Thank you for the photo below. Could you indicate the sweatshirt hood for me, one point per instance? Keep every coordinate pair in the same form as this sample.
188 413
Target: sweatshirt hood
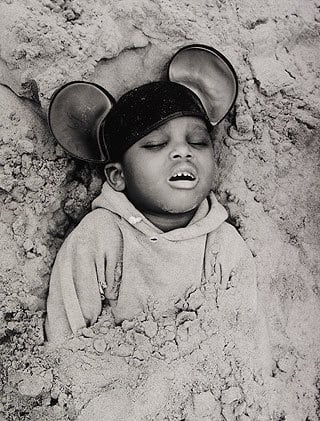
209 216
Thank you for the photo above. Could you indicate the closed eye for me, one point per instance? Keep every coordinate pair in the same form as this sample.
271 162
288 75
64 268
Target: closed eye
200 143
154 145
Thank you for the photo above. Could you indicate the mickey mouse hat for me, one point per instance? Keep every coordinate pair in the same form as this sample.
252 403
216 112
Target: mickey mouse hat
90 125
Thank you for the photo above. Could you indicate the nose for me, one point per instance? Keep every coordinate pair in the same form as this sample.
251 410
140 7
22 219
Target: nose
181 151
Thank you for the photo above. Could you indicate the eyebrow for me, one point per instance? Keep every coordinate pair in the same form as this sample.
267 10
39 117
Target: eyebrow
199 128
156 137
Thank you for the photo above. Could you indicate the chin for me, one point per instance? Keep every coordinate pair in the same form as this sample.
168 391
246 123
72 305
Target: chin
184 204
182 208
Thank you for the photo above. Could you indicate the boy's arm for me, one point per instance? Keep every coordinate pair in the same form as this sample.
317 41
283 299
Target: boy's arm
74 298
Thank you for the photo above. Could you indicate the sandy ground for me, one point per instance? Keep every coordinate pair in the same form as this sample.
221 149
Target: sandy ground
194 368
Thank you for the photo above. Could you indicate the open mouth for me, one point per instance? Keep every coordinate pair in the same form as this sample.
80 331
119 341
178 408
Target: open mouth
185 179
182 176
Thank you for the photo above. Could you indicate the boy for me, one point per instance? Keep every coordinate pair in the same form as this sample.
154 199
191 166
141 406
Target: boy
156 230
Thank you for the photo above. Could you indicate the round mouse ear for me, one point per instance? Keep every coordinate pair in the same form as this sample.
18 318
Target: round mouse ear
75 116
209 75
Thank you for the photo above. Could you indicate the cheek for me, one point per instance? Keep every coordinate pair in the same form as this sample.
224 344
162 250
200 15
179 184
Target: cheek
140 182
145 173
208 165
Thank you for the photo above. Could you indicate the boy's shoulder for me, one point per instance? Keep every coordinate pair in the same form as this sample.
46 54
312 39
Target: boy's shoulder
228 247
227 232
227 238
95 223
99 215
96 234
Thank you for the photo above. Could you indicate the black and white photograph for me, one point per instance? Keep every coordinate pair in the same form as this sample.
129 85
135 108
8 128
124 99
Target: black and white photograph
160 210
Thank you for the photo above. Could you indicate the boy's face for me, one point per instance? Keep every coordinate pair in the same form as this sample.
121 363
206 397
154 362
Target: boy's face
171 169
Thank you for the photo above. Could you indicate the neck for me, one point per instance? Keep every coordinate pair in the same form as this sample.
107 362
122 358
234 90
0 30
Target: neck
170 221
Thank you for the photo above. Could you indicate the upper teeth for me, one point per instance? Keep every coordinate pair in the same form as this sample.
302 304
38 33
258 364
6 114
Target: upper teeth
185 174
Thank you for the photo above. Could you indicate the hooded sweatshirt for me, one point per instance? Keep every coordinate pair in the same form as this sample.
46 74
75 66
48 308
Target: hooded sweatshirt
116 254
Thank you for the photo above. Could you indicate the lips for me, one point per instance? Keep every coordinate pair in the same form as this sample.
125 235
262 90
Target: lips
183 177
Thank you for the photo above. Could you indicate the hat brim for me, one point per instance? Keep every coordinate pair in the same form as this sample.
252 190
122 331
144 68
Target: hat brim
209 75
75 114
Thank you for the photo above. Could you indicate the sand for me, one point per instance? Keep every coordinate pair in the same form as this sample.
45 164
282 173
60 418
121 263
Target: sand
198 364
